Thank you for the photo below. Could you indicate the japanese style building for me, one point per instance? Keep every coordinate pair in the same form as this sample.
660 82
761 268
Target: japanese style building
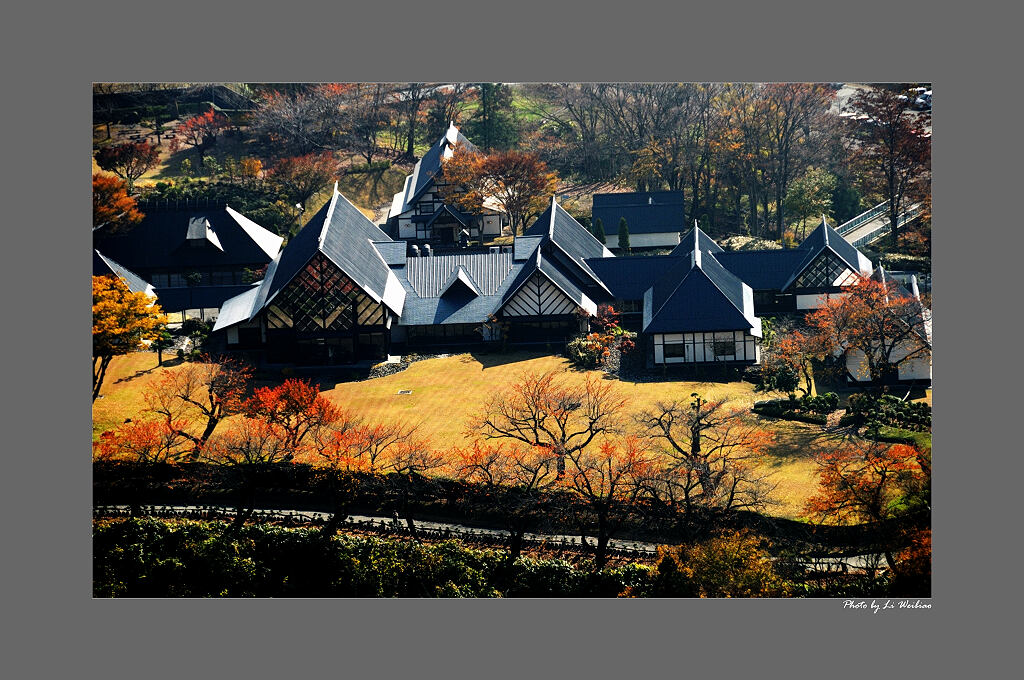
420 213
343 290
195 259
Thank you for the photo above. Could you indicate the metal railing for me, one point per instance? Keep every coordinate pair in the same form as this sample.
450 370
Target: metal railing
911 213
865 217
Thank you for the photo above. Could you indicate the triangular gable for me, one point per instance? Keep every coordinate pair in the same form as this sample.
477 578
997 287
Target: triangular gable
346 237
555 278
695 237
825 238
459 281
699 294
199 229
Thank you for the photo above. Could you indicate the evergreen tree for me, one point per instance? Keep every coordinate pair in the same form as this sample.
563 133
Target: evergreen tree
493 127
599 230
623 236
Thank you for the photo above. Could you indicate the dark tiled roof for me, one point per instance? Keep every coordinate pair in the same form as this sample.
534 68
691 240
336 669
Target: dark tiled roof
342 233
645 212
104 266
428 275
523 246
571 238
696 296
425 280
159 241
393 252
628 277
762 269
689 300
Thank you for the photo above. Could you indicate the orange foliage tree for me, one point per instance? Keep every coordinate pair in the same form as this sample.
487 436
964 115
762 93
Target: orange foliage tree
888 328
122 322
199 131
514 479
870 482
128 161
551 412
609 480
300 177
296 408
518 182
713 456
112 207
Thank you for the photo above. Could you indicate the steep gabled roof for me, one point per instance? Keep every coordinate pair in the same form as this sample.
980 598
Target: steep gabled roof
699 294
826 239
554 272
104 266
558 228
340 231
692 238
427 169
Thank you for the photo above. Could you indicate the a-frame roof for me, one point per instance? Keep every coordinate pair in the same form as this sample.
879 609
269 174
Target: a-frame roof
693 238
427 169
558 228
459 280
699 294
826 239
340 231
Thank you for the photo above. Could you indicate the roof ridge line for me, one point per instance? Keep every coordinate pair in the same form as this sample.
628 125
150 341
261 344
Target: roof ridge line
327 217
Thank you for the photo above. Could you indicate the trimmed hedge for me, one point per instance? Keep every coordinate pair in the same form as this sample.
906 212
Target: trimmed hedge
806 409
891 411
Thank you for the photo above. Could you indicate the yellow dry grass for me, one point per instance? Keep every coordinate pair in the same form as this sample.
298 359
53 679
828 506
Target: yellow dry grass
447 391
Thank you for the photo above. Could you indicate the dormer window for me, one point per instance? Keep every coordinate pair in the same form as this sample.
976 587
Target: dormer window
200 233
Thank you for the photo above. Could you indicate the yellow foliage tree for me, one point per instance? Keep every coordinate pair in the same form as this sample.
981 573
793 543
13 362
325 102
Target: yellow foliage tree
122 322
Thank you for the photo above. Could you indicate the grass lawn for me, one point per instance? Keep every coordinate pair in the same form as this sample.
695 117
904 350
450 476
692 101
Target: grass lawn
446 391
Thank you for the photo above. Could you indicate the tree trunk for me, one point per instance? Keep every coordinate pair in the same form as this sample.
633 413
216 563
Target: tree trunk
97 376
601 551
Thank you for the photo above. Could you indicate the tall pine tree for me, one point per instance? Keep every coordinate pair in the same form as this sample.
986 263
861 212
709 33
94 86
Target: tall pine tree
623 236
493 127
599 231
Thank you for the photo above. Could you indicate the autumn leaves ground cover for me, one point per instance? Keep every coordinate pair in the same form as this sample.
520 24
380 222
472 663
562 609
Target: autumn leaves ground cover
445 392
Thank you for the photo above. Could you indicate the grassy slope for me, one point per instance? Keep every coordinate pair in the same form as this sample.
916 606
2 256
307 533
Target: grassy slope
446 391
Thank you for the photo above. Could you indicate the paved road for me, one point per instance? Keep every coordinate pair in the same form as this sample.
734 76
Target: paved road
379 523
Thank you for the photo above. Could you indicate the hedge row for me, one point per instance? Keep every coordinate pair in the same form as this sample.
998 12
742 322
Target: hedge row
806 409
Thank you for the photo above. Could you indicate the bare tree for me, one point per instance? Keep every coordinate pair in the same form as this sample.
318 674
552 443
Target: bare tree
552 412
713 454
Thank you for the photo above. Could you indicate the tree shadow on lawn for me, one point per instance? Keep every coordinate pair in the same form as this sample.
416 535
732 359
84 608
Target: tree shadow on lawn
794 440
493 359
168 363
